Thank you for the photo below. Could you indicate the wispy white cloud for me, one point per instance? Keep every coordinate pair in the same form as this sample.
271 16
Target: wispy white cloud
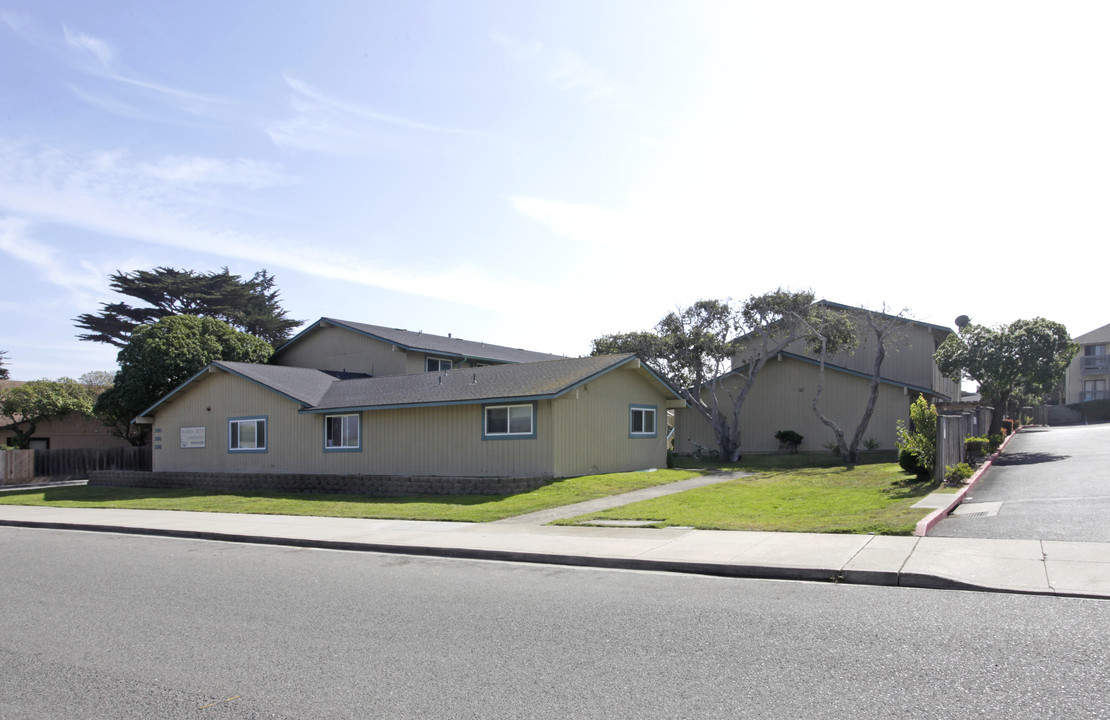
564 68
108 194
98 58
195 170
322 123
590 224
82 281
82 43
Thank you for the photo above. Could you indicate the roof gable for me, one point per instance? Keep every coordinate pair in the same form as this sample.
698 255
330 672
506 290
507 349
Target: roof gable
448 347
1098 335
304 386
907 320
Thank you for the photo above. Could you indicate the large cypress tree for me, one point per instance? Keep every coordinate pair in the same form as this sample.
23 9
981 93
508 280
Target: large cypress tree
250 306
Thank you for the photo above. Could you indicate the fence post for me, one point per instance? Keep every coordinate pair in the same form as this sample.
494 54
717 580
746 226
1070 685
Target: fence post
16 466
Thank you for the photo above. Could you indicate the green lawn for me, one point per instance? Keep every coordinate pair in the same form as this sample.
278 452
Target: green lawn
790 493
465 508
861 499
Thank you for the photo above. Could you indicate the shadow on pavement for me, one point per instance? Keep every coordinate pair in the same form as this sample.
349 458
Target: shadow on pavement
1031 458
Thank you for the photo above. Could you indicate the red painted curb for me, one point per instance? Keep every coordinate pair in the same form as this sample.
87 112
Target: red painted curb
930 521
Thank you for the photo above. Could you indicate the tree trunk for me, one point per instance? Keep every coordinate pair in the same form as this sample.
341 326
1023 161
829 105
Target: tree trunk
1000 404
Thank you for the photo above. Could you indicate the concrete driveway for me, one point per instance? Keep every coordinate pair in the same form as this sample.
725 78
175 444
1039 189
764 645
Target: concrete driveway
1049 484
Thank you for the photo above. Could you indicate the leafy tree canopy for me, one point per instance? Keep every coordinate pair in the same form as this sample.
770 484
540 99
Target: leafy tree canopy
251 306
3 370
161 356
687 346
692 345
1026 357
25 406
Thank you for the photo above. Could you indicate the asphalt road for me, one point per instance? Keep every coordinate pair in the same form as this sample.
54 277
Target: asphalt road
107 626
1052 484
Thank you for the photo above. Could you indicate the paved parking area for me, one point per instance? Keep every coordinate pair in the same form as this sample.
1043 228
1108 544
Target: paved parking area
1049 484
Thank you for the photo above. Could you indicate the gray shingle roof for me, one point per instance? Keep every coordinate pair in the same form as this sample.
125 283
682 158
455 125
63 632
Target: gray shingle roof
524 380
449 347
318 391
304 385
1098 335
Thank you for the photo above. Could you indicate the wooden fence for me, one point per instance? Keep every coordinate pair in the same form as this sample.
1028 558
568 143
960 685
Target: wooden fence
79 462
955 424
16 466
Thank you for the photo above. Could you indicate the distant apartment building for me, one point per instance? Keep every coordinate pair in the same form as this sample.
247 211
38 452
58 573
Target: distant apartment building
1089 372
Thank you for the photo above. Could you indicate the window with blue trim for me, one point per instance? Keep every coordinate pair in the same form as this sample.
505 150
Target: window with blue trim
342 432
434 364
509 421
641 421
246 434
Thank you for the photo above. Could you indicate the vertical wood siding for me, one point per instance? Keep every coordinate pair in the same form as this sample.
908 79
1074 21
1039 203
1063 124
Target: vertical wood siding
592 426
445 441
782 398
909 357
332 348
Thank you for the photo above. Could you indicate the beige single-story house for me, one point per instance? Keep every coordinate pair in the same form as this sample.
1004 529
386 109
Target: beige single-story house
540 420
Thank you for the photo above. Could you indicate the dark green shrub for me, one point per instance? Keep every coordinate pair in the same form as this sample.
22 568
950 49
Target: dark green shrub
907 460
977 447
996 441
788 440
956 474
1008 426
921 441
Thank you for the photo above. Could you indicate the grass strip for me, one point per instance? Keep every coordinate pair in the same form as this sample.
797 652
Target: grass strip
857 499
461 508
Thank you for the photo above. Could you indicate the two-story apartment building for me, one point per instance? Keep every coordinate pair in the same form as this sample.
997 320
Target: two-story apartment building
782 396
1088 376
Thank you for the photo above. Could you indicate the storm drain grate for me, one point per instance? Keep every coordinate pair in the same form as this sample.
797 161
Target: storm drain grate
977 510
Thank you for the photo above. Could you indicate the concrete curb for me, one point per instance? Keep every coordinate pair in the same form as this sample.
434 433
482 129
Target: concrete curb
930 521
687 567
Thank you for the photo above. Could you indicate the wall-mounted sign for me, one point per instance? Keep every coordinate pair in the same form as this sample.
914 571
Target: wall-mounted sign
192 437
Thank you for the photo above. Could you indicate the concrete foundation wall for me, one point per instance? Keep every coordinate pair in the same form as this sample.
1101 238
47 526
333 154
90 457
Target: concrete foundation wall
375 485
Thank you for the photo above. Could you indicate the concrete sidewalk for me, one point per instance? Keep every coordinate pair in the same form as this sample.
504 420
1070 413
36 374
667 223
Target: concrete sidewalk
1019 566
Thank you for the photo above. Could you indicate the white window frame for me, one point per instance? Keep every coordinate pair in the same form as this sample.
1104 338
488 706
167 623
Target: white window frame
508 433
439 364
643 412
234 443
343 432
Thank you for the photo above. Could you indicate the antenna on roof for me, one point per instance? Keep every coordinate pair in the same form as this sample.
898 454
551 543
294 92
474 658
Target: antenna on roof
474 380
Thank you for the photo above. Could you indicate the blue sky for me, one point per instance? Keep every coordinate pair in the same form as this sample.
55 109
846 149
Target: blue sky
538 174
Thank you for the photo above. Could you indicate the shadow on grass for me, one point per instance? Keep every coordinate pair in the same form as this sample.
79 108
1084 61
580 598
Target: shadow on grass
912 487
